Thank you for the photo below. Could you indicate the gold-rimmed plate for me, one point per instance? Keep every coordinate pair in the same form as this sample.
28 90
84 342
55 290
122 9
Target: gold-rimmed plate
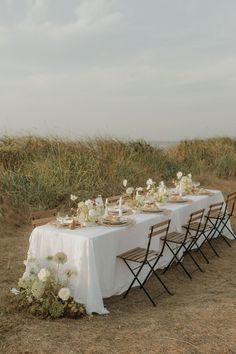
178 201
128 222
151 210
202 192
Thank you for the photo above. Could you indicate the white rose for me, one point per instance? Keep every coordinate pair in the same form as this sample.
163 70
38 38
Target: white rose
129 190
73 197
179 175
64 294
44 274
125 182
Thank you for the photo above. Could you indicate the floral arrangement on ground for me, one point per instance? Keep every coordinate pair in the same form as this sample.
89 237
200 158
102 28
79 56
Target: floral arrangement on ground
41 293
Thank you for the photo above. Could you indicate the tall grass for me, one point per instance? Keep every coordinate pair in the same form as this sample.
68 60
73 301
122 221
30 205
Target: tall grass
42 172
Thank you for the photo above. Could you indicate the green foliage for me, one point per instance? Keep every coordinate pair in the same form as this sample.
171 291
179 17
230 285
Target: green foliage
42 173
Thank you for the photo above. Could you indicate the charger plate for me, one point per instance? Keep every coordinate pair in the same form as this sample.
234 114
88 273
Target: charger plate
128 223
203 192
154 210
179 201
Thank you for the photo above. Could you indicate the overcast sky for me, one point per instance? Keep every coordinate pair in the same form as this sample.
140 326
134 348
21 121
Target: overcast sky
152 69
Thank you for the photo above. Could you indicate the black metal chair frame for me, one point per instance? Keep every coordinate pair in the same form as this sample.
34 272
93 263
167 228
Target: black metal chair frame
224 218
160 229
207 231
197 215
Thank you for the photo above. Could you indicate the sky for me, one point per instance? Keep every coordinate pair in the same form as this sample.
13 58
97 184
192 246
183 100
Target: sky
160 70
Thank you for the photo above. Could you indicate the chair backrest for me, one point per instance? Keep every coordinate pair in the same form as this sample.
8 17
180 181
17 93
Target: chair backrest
214 209
194 218
230 204
161 229
43 217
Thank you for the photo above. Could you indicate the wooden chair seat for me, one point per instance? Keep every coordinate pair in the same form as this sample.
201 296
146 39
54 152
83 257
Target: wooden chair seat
138 254
175 237
197 226
215 215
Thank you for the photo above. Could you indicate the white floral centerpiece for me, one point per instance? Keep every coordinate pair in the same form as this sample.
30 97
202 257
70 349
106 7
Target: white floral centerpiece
139 197
87 211
161 193
183 183
42 294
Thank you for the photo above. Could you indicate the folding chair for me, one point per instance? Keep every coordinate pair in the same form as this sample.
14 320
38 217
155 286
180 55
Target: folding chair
42 217
146 256
224 218
182 242
203 230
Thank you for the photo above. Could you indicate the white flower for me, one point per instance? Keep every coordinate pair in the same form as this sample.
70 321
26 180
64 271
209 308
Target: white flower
139 189
60 258
89 203
125 182
38 289
14 291
149 182
92 213
80 205
99 202
44 274
73 197
64 294
179 175
162 184
190 176
129 190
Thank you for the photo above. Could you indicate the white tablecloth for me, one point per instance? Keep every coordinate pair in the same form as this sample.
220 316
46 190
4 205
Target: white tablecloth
93 251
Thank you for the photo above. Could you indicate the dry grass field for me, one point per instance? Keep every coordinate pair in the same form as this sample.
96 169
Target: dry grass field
199 318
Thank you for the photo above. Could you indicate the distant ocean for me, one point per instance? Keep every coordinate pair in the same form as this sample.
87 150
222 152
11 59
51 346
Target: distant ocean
163 144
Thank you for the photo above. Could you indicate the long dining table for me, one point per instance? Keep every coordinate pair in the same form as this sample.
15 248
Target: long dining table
92 251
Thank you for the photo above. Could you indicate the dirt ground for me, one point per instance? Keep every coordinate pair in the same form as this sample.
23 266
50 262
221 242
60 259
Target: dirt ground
199 318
